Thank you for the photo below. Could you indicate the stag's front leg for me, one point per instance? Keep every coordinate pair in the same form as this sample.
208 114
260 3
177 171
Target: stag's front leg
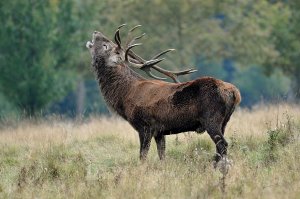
145 141
161 145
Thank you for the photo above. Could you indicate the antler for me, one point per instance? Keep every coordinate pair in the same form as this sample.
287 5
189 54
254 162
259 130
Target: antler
117 35
138 62
172 74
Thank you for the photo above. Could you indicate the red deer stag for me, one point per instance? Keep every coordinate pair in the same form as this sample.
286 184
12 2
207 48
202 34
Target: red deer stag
157 108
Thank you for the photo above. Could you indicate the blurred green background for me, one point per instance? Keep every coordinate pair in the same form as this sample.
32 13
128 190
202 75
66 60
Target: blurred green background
45 67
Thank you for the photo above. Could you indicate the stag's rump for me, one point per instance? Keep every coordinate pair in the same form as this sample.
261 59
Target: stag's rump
205 103
206 95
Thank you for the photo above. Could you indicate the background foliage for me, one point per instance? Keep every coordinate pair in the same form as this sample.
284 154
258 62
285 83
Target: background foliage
45 67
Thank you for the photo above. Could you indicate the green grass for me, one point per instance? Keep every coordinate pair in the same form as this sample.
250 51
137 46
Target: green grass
106 165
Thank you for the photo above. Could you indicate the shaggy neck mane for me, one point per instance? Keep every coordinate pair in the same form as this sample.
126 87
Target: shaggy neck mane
114 81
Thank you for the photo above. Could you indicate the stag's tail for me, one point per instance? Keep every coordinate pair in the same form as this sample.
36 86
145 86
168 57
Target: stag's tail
236 96
230 94
232 98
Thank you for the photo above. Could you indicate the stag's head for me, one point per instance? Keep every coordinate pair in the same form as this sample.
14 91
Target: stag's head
102 48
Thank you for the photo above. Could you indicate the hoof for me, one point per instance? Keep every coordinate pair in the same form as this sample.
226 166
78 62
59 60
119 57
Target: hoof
224 164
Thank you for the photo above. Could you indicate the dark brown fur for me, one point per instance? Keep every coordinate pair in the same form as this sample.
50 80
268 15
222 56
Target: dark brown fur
157 108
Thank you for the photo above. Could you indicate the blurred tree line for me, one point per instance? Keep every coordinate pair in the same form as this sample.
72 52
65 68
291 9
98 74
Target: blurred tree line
45 67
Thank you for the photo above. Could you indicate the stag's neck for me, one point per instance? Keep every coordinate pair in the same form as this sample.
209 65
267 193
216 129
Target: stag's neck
115 83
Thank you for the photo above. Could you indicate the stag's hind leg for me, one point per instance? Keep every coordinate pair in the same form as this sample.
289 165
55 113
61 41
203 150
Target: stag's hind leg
161 145
221 145
145 141
226 119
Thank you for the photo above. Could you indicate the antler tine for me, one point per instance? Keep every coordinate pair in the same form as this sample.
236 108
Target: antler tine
173 75
118 42
134 39
152 62
124 24
135 56
135 27
128 49
146 67
184 72
163 52
167 73
148 72
117 36
129 41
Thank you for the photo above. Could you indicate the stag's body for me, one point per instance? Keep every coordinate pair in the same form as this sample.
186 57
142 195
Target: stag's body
156 108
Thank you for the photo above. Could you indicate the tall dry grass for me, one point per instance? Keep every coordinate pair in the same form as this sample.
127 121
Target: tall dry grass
244 122
98 158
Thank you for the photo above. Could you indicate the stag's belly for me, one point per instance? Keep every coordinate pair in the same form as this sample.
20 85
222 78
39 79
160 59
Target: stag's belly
163 117
181 121
191 126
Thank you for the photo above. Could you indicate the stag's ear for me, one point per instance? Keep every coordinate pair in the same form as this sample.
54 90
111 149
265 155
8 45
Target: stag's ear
118 51
115 56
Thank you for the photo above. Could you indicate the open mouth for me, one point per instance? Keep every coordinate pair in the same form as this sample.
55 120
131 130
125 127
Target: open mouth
90 44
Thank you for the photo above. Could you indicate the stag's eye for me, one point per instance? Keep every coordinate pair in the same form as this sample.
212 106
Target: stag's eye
105 46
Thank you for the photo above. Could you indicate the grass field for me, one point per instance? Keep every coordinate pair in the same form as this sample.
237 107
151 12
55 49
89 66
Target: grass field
98 158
